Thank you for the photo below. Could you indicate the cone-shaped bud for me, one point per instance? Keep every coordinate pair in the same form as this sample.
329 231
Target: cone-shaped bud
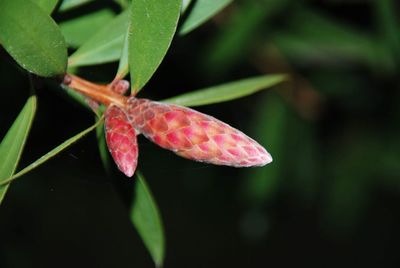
194 135
121 139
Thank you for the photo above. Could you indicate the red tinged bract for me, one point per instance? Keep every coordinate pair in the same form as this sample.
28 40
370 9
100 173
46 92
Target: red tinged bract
121 139
194 135
186 132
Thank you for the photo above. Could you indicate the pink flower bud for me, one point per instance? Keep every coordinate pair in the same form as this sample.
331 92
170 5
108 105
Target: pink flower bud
194 135
121 139
120 86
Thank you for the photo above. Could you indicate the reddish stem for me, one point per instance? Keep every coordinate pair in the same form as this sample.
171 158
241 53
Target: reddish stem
100 93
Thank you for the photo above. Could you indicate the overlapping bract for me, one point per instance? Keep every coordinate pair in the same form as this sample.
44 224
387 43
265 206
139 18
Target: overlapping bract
186 132
194 135
121 139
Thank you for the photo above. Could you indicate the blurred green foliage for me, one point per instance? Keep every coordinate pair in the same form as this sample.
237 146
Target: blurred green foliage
330 197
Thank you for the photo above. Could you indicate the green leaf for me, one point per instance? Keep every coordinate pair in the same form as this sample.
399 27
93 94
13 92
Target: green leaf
201 12
51 154
153 24
70 4
147 220
13 143
32 38
124 4
79 98
123 67
101 140
47 5
103 149
226 92
388 24
185 5
77 31
104 46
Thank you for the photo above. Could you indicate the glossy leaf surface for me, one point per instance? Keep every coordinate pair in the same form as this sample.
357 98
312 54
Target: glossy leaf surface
147 220
201 12
70 4
153 25
13 143
47 5
105 46
32 38
123 66
53 152
79 30
185 5
103 149
228 91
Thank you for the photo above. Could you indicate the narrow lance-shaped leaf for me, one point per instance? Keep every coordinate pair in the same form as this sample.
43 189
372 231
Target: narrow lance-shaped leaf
52 153
201 12
13 143
226 92
70 4
185 5
123 67
147 220
79 98
103 151
153 24
104 46
124 4
388 23
32 38
78 30
47 5
101 139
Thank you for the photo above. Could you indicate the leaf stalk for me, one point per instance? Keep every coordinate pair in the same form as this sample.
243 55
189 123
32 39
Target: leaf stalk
97 92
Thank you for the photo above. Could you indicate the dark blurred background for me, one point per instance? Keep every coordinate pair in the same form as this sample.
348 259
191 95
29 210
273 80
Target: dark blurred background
330 198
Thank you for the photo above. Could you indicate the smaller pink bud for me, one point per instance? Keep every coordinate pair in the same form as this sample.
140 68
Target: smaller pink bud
120 86
121 139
